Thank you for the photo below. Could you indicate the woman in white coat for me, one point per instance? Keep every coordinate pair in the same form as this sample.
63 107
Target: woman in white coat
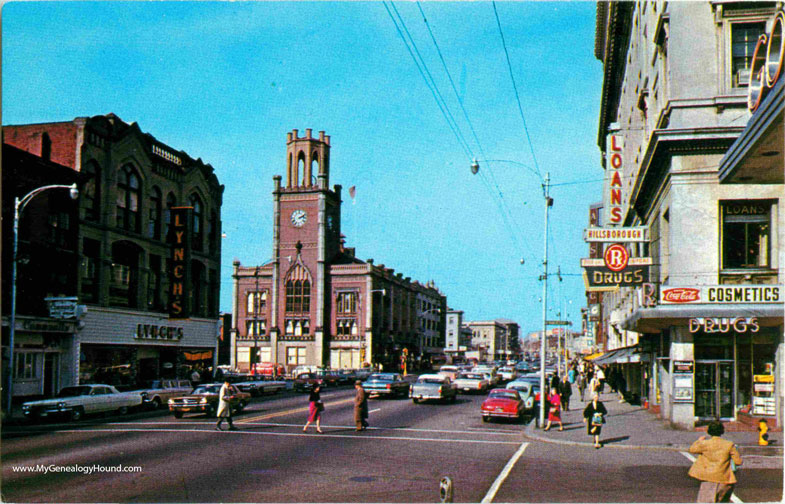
225 406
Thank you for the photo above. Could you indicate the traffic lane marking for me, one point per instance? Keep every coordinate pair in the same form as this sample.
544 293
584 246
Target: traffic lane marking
292 411
733 497
296 434
374 410
503 475
271 424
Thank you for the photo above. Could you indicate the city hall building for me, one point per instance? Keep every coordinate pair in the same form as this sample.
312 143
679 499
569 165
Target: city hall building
148 247
702 339
316 303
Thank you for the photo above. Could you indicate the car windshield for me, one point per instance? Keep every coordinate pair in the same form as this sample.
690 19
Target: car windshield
503 394
74 391
382 376
431 380
206 390
471 376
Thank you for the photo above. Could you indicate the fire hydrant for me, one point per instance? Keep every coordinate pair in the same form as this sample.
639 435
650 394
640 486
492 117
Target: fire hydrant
763 428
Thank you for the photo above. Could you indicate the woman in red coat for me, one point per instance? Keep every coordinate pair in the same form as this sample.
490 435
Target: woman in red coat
554 413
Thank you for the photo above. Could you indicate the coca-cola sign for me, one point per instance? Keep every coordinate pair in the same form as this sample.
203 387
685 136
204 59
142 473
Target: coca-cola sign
680 295
721 294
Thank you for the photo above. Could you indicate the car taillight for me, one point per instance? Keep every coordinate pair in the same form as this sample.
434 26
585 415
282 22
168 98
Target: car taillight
440 389
537 397
389 385
479 385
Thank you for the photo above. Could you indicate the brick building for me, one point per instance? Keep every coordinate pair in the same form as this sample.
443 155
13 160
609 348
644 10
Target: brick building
131 185
316 303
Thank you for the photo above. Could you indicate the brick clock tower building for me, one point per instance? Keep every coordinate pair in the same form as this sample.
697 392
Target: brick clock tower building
315 303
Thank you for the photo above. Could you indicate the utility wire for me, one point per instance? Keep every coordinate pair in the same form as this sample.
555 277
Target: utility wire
515 87
465 148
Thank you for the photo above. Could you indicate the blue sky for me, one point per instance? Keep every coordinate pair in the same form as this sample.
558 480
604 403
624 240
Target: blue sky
225 82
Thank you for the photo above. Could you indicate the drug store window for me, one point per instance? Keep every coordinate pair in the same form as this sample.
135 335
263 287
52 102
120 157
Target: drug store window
746 232
755 361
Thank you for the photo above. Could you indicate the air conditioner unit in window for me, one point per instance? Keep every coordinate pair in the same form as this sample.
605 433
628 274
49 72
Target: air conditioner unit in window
743 77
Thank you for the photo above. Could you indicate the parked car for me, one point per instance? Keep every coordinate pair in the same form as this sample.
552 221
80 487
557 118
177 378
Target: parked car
260 385
508 373
432 387
386 384
450 372
330 378
269 369
493 376
305 382
502 403
303 369
75 402
205 398
529 392
472 382
362 373
346 376
158 392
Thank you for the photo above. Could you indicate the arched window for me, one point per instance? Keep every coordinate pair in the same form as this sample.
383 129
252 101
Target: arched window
154 222
314 165
170 202
124 282
300 166
298 296
91 191
128 195
197 233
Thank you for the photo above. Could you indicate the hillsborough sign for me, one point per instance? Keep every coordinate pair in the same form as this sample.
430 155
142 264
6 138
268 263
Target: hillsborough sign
616 234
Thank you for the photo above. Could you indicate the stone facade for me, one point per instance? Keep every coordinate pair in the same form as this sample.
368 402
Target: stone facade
674 100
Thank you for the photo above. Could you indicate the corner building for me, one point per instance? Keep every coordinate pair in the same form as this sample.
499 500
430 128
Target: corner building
705 338
130 184
316 303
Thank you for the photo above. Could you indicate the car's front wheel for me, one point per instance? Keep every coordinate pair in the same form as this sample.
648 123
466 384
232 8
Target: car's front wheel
415 400
178 414
123 410
485 419
77 413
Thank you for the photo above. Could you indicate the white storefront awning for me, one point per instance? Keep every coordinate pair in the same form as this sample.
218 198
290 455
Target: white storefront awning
654 320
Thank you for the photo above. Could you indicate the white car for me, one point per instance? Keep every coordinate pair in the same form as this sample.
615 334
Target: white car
508 373
472 382
75 402
160 391
449 371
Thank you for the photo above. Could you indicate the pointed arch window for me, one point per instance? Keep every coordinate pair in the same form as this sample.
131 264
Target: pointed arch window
154 221
90 193
170 202
128 195
197 214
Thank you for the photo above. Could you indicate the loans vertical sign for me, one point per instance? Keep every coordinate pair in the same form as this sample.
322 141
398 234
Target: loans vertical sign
179 276
615 170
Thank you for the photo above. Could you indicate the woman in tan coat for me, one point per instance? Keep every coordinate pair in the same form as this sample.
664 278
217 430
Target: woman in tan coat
360 406
713 465
225 397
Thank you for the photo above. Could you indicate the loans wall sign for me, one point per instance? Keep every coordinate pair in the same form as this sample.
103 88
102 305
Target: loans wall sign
721 294
615 169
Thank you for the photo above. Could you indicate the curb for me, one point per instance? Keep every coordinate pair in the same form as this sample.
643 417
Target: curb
529 432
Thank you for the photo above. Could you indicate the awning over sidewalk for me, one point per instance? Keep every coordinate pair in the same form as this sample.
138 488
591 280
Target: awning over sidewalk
625 355
654 320
593 356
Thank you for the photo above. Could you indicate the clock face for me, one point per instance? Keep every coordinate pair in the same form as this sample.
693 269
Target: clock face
299 217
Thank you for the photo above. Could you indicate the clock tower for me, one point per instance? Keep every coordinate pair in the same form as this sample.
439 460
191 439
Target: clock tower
306 236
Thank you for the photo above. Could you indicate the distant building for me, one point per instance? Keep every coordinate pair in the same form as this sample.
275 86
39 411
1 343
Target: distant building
316 303
133 191
497 338
458 338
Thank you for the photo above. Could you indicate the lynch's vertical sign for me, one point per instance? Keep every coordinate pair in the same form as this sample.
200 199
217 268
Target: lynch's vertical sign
615 172
181 260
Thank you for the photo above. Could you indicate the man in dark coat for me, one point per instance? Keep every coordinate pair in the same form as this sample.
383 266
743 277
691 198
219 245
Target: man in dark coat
565 389
360 406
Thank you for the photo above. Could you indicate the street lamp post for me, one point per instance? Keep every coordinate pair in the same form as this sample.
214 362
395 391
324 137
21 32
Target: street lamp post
19 206
543 393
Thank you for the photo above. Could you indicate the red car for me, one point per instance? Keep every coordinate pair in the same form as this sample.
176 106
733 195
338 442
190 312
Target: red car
502 403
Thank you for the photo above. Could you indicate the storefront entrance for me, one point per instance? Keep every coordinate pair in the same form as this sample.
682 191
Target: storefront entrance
714 390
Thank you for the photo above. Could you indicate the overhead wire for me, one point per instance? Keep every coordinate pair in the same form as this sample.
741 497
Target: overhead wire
461 141
515 87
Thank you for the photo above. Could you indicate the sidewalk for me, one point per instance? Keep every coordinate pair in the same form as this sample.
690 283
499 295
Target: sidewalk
633 427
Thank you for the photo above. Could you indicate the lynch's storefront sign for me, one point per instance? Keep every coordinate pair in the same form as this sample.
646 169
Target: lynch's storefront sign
721 294
598 274
767 62
616 234
724 324
181 258
158 332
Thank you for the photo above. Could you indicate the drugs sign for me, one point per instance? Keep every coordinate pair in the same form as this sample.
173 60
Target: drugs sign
599 276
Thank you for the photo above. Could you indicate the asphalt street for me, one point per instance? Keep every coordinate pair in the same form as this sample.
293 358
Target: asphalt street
401 458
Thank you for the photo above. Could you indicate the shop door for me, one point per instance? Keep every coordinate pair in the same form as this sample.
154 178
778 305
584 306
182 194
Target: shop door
51 374
714 390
